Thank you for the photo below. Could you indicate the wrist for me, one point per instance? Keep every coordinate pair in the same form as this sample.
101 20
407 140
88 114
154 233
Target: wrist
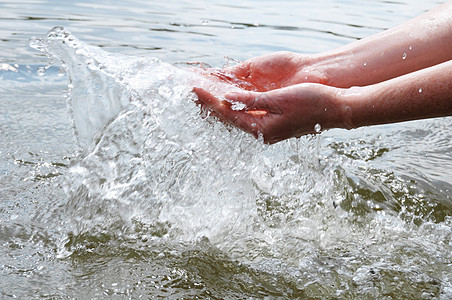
349 101
335 68
334 106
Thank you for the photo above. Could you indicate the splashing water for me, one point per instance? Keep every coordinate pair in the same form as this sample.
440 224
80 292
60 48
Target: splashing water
153 169
150 157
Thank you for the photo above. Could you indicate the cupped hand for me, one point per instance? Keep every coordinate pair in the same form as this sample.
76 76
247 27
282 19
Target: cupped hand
278 114
269 72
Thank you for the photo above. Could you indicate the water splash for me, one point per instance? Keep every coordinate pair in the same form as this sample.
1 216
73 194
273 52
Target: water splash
151 158
155 171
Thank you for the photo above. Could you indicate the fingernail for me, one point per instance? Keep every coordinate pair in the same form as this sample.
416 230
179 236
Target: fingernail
257 112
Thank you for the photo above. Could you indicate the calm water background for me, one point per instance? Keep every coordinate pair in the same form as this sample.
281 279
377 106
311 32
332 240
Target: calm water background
388 192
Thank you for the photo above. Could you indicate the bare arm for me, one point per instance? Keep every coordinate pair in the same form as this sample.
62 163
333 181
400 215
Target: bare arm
419 43
423 94
404 73
293 111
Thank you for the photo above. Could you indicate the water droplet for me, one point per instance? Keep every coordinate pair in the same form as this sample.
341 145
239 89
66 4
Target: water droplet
61 71
238 105
231 61
37 44
41 71
420 90
165 91
411 48
317 128
404 56
365 64
253 124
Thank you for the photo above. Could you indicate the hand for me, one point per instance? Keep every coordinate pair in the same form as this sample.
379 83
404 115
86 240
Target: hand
278 114
269 72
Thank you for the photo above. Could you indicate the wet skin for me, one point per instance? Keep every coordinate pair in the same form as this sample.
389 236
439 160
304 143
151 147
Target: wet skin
371 81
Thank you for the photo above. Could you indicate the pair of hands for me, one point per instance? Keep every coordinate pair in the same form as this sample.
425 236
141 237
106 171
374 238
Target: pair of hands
280 96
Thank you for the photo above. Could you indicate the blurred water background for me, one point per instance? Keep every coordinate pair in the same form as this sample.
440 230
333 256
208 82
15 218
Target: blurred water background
166 204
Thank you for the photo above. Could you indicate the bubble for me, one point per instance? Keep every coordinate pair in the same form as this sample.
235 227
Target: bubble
317 128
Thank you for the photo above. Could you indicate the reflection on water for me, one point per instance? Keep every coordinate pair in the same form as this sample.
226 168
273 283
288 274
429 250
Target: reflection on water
162 202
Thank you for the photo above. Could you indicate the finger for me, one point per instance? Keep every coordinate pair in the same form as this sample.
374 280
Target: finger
226 111
209 100
236 76
248 100
241 70
257 104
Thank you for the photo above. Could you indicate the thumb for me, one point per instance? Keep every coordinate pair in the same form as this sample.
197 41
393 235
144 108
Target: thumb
245 97
257 104
248 102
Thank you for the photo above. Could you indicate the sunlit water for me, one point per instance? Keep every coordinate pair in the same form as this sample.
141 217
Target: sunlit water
115 186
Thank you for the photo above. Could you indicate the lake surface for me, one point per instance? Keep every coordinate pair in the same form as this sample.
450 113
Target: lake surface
113 186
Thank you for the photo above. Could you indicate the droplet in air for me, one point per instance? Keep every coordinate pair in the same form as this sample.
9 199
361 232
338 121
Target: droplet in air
37 44
317 128
404 56
62 71
41 71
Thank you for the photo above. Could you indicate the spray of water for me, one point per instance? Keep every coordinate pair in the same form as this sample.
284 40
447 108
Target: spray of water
153 169
148 156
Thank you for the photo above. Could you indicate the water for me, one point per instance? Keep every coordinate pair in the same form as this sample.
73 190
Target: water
126 191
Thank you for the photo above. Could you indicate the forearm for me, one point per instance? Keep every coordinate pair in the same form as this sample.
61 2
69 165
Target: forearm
423 94
422 42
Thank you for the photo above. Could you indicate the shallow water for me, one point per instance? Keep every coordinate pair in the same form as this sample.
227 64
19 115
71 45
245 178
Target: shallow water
159 202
